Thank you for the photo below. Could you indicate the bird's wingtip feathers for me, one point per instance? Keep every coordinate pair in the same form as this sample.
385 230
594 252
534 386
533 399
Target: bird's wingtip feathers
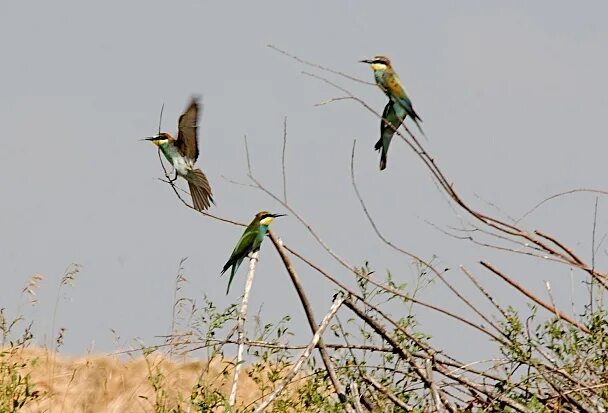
378 145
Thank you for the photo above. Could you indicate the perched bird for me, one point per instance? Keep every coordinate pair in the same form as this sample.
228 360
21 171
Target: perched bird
398 107
183 152
388 81
250 241
392 117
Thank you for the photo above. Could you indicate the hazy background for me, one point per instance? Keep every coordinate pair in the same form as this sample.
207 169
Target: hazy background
513 97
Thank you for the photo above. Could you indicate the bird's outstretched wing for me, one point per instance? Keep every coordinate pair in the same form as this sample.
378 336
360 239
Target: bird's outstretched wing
187 131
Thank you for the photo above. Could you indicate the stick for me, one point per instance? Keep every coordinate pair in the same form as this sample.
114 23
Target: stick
304 356
537 300
397 401
309 314
241 327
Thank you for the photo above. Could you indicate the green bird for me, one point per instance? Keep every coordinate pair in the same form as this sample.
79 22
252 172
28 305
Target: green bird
250 241
182 154
392 117
398 107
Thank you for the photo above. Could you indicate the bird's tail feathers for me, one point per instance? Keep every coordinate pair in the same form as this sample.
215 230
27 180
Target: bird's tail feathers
378 145
230 280
235 266
228 264
416 121
200 190
383 161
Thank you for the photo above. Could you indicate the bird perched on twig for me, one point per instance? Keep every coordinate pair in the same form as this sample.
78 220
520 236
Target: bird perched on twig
392 117
398 107
250 241
182 154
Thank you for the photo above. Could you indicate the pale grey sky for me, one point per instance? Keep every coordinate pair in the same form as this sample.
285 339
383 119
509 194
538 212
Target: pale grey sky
513 98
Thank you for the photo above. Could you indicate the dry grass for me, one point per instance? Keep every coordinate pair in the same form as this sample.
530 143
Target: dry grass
99 383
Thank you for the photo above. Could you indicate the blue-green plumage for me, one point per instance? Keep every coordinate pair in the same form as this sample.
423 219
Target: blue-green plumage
250 241
171 153
392 117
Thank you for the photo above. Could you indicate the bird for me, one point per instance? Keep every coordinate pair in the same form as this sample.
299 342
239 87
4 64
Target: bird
398 107
182 154
392 117
388 80
250 241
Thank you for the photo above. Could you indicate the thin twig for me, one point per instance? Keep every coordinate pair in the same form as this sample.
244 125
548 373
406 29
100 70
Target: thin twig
283 159
572 191
179 278
294 213
592 283
483 291
325 69
160 117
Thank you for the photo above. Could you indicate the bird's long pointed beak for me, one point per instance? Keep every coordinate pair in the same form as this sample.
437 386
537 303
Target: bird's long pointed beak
365 61
278 215
151 138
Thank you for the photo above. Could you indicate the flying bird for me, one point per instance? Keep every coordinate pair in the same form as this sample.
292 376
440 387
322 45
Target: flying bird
398 107
250 241
182 154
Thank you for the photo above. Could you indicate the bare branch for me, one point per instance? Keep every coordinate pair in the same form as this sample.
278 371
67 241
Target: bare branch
483 291
309 314
304 356
391 396
241 327
534 298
